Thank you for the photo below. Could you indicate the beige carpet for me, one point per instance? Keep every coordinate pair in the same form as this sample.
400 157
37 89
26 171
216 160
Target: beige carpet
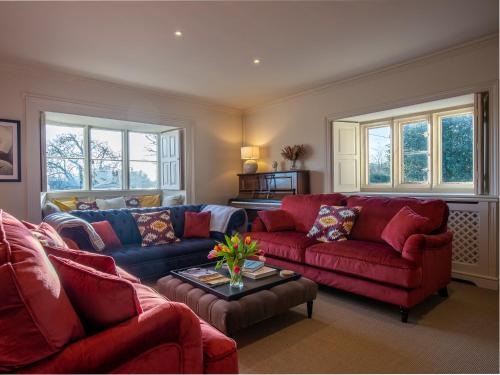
351 334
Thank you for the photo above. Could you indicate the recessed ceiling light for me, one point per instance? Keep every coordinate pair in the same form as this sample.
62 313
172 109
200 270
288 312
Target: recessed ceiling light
178 33
256 61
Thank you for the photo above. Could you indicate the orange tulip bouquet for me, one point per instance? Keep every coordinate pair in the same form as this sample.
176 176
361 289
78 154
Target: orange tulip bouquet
233 253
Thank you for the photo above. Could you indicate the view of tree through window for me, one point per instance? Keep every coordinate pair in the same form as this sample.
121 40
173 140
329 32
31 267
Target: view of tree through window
415 152
106 158
68 164
457 137
65 157
143 156
379 155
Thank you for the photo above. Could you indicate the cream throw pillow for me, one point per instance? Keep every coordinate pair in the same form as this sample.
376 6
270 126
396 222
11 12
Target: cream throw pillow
110 204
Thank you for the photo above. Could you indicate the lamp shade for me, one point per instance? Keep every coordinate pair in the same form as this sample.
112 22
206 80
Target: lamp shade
249 152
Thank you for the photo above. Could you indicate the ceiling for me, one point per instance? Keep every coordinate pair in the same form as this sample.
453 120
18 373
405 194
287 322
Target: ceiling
301 44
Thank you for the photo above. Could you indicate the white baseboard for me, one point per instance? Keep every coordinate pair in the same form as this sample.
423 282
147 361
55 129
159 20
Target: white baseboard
480 281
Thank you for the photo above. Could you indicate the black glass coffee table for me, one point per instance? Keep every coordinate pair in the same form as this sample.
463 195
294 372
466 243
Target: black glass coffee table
229 293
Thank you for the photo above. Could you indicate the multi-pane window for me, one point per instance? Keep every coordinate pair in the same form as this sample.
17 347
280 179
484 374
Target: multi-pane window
415 152
106 150
379 155
65 153
143 160
84 157
433 150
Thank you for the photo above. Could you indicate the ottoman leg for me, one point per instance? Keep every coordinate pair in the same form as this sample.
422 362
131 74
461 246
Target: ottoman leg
309 309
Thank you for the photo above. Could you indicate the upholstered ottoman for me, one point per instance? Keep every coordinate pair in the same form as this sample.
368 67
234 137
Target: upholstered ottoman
231 316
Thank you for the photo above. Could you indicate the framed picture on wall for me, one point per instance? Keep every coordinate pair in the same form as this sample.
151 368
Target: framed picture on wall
10 150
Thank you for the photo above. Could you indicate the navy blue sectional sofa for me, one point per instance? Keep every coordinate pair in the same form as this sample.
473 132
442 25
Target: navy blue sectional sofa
151 263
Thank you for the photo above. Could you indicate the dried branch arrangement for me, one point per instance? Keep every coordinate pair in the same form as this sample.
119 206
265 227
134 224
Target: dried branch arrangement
293 152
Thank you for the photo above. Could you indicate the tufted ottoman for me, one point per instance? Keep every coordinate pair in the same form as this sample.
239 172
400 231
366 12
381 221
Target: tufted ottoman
231 316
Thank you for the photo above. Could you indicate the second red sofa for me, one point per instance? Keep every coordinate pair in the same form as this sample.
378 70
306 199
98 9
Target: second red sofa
365 264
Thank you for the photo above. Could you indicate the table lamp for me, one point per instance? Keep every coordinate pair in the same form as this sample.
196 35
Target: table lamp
250 154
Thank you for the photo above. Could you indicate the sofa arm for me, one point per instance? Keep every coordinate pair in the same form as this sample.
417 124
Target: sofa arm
169 323
219 351
417 243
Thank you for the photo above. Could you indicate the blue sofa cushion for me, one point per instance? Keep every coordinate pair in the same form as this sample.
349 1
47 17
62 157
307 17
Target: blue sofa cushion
125 226
132 254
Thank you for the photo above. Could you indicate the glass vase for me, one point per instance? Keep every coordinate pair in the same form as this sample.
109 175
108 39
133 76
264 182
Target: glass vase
236 277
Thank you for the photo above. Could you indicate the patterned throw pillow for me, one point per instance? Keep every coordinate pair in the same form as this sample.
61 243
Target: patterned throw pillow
81 205
155 228
132 202
334 223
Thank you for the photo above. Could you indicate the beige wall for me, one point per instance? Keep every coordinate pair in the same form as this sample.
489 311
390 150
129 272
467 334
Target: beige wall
303 118
216 135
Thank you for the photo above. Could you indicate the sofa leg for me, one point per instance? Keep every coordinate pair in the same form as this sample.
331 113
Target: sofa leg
443 292
309 309
404 314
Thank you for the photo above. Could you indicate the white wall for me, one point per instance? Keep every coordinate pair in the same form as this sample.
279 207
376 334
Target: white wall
302 118
216 130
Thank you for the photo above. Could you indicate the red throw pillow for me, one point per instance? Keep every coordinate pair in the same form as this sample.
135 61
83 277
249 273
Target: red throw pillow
36 316
334 223
107 234
46 234
277 220
99 262
100 299
405 223
197 224
155 228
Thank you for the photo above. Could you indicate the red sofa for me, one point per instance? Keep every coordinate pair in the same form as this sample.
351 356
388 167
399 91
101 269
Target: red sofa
42 334
365 264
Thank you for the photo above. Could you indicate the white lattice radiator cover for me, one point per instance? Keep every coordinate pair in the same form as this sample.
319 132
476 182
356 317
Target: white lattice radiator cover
465 226
474 243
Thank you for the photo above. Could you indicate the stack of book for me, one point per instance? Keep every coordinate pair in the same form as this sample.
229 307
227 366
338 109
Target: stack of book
209 277
260 273
255 269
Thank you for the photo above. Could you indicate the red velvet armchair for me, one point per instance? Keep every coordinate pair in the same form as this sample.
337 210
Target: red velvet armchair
167 338
41 332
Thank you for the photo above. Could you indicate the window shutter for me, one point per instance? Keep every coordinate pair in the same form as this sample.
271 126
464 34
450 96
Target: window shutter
346 157
170 160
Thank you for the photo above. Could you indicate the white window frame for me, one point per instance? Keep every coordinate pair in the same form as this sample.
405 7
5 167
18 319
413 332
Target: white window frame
365 154
398 153
158 170
396 124
438 152
86 176
87 183
124 183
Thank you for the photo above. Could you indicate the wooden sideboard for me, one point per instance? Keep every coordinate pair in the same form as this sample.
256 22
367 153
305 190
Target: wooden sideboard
265 190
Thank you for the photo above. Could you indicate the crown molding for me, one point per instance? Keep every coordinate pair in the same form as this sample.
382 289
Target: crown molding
456 49
68 75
